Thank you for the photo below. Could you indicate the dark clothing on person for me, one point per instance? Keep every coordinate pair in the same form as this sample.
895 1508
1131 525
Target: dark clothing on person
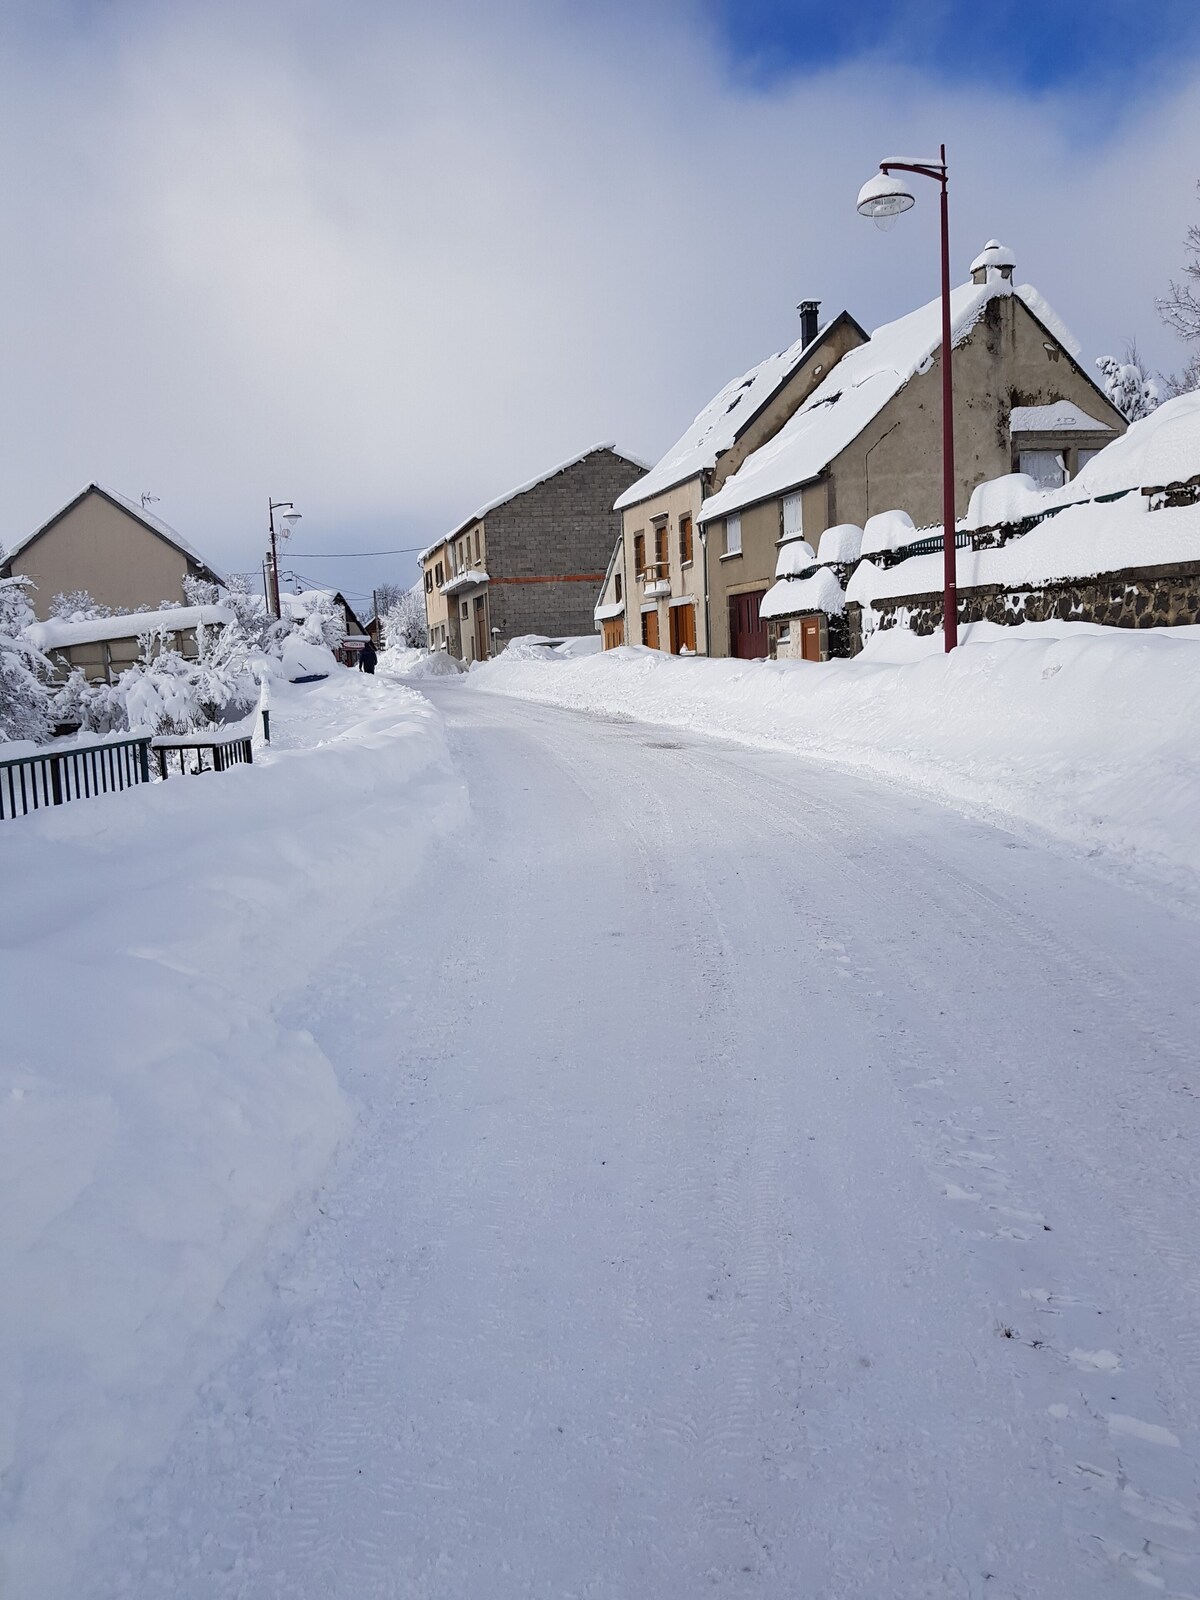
367 658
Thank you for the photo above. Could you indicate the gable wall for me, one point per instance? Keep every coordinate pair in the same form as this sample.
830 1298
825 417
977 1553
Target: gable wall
548 549
100 548
897 460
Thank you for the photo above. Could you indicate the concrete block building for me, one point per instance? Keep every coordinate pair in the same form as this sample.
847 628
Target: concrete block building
530 561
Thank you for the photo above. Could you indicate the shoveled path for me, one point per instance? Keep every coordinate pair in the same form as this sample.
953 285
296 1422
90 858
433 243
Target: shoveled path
765 1183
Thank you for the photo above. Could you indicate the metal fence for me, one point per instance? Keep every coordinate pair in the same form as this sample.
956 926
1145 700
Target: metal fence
222 754
30 783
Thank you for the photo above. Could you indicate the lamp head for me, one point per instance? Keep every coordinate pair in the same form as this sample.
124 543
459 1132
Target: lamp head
883 198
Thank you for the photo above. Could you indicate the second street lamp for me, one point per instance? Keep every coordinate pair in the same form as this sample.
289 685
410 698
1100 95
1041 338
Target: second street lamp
883 198
290 517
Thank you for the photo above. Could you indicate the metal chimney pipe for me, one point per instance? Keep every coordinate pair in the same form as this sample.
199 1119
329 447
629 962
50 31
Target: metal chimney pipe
808 319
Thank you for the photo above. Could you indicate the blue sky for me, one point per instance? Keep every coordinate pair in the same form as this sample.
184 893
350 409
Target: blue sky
1052 45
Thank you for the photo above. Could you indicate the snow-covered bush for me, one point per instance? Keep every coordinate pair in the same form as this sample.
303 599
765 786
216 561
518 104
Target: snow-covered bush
95 707
324 621
77 605
404 626
1128 385
25 710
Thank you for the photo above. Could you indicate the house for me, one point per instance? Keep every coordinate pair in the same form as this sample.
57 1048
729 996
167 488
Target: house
103 647
658 593
529 562
867 439
124 557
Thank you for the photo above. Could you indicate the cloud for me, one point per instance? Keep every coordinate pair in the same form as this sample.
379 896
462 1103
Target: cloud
385 261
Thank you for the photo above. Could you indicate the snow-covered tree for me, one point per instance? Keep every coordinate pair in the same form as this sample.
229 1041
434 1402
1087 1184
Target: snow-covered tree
325 622
1128 385
77 605
95 707
404 625
1180 310
25 711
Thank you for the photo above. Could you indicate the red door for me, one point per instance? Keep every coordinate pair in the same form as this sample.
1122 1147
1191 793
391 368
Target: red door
747 630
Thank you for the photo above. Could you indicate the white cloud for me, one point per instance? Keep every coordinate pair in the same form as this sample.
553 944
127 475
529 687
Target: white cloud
386 261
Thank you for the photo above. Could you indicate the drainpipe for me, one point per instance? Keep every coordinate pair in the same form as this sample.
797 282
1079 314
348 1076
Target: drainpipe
703 531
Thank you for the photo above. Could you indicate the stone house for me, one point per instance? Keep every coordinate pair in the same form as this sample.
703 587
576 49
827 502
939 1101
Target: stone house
657 593
868 438
124 557
530 561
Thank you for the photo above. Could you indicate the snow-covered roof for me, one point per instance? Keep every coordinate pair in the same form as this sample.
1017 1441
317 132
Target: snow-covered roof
58 635
524 488
155 524
857 389
790 596
606 613
1060 416
718 425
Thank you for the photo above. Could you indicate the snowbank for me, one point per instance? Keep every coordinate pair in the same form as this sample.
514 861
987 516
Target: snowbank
420 664
158 1115
1092 735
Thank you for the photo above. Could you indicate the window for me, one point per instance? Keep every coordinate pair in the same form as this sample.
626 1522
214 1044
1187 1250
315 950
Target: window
618 585
477 555
1082 457
661 560
793 521
685 540
1045 467
733 534
639 554
428 580
438 577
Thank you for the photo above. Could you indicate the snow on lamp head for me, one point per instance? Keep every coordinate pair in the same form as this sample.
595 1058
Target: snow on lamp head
883 198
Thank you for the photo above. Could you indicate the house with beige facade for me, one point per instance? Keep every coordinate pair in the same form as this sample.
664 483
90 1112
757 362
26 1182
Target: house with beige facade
125 558
529 562
867 441
657 590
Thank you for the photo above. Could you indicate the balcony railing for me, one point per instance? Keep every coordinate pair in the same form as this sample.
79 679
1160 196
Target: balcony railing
656 579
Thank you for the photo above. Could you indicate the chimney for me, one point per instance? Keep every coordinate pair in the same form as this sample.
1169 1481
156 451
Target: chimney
994 261
808 319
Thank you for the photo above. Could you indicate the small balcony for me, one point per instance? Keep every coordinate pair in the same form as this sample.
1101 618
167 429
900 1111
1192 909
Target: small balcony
656 580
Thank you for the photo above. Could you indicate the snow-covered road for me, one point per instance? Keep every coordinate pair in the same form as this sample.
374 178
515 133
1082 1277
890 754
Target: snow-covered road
765 1183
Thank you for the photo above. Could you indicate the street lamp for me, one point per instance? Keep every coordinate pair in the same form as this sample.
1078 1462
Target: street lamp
883 198
290 517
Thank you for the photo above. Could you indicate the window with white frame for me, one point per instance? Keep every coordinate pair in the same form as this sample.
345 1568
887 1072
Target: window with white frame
733 534
1045 467
793 520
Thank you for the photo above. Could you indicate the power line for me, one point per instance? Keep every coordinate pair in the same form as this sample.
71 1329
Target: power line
351 555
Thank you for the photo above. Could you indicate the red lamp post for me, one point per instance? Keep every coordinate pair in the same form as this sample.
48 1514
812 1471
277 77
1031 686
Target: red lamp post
884 197
291 516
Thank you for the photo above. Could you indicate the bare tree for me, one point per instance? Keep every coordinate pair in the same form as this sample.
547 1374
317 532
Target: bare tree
1180 309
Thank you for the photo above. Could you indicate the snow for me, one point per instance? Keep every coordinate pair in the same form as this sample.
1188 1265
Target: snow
795 557
524 488
717 426
1059 416
842 542
56 635
1080 541
1162 448
161 1105
993 254
791 596
1049 319
606 613
306 658
886 530
418 664
1088 734
469 578
1010 498
849 397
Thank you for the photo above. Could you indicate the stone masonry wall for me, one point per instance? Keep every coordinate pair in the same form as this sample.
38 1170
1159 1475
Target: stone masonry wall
1165 596
563 528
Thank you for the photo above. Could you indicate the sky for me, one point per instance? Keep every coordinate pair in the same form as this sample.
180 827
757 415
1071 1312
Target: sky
387 260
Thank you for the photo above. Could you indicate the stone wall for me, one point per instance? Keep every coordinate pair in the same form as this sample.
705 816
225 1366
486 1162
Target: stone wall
1165 596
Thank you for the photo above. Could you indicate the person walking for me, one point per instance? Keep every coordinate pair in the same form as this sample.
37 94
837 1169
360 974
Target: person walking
367 658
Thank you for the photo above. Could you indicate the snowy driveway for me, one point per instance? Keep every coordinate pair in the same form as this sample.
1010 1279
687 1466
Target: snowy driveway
766 1183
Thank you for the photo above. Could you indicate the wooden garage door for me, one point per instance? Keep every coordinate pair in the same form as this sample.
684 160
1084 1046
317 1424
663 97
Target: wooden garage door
747 630
614 633
683 630
650 629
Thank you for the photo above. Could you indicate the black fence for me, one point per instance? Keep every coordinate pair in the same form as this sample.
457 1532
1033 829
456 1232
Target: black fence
30 783
222 754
